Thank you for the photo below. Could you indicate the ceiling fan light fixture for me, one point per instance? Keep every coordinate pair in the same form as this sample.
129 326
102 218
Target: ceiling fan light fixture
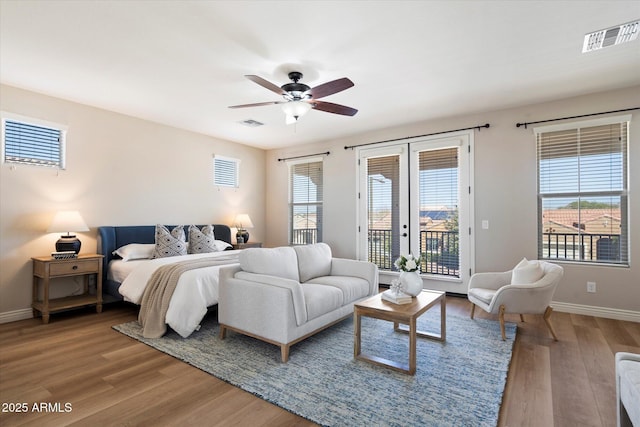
295 109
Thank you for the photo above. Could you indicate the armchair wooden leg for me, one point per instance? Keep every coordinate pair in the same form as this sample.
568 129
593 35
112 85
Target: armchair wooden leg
547 316
504 335
521 317
473 309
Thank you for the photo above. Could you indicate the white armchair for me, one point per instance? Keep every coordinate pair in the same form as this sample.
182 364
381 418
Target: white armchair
527 289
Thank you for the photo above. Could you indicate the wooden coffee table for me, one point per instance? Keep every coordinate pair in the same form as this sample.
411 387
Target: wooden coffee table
406 314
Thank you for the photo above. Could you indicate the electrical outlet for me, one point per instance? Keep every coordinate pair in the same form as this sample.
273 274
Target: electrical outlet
591 287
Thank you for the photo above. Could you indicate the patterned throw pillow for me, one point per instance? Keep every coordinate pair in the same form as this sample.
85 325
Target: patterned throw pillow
201 242
170 243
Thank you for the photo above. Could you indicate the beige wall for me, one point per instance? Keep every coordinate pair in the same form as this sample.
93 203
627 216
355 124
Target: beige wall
120 171
125 171
504 194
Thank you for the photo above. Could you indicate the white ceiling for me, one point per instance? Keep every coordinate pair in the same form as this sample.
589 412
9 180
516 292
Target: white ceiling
182 62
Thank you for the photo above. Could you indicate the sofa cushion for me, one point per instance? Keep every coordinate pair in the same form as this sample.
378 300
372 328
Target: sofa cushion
352 288
313 260
280 262
484 295
321 299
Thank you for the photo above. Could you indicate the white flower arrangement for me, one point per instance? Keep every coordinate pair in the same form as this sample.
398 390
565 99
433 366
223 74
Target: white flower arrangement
408 263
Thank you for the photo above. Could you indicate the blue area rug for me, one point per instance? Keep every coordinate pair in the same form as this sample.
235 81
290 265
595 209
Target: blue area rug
458 383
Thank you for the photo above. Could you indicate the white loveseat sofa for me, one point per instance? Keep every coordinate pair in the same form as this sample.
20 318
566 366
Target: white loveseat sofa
628 389
283 295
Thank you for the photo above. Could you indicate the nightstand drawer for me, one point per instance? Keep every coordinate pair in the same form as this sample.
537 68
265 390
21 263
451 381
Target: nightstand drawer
77 267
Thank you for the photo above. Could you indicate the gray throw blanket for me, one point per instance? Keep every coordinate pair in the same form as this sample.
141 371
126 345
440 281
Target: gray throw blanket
160 288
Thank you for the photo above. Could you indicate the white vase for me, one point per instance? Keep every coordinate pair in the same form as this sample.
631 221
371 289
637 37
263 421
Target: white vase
411 282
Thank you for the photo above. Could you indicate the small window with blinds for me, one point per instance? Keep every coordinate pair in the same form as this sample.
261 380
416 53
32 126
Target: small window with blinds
582 191
31 143
305 202
226 171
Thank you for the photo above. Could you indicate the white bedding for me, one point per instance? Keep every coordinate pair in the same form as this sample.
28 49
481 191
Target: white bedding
196 289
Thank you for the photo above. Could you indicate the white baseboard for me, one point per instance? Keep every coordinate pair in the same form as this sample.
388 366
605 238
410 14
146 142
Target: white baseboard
12 316
588 310
563 307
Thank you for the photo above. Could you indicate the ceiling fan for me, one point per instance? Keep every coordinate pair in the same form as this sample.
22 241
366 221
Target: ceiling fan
300 98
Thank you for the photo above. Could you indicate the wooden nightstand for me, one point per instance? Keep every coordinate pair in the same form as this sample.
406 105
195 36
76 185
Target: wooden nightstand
47 268
247 245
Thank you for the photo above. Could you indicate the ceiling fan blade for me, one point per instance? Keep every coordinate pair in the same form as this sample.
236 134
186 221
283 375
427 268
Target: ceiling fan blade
257 104
266 84
330 88
330 107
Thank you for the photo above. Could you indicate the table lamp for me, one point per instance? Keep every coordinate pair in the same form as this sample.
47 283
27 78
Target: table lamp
67 222
243 222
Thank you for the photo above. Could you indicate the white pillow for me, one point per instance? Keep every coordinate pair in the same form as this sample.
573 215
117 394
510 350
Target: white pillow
221 245
526 272
523 263
135 251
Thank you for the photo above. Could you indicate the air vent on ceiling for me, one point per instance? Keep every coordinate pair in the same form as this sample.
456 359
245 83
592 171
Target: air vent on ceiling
251 123
611 36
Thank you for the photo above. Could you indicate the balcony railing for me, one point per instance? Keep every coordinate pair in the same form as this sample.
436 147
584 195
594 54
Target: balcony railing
582 247
380 249
439 250
304 236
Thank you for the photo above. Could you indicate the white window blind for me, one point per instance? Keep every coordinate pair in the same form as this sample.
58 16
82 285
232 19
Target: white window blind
31 144
582 192
225 171
383 206
438 193
305 206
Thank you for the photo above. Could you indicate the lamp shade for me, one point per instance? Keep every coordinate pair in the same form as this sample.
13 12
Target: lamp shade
67 221
295 109
243 221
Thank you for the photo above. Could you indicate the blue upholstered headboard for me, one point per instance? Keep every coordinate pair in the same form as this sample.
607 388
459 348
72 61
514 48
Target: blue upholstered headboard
111 238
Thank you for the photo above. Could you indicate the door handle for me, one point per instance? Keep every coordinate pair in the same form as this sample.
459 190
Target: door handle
404 234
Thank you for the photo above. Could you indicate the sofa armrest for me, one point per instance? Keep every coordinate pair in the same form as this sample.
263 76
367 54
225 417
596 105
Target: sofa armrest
239 286
228 272
363 269
490 280
627 415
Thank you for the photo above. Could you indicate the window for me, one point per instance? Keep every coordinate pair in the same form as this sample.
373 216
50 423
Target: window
225 171
31 143
414 196
582 191
305 202
438 195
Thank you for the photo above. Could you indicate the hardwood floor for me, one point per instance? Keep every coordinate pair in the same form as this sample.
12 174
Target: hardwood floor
110 379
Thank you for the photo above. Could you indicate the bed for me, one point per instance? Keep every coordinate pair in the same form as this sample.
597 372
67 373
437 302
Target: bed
196 289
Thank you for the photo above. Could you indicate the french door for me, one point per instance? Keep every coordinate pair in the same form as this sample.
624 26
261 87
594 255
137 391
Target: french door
415 197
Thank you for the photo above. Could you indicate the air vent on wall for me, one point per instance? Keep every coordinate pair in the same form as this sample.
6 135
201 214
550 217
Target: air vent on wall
251 123
611 36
